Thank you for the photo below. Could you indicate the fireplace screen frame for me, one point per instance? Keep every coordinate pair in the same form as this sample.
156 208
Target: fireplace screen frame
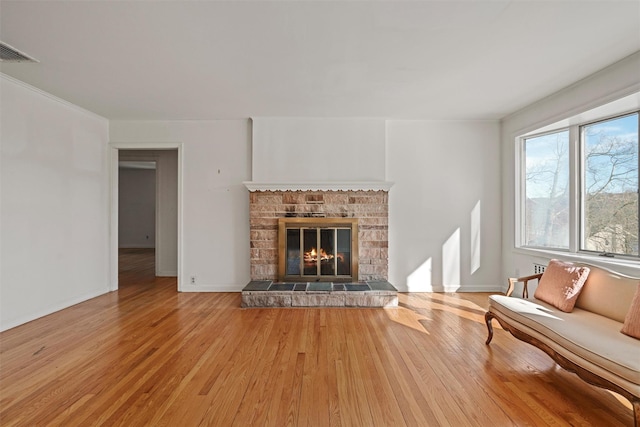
285 224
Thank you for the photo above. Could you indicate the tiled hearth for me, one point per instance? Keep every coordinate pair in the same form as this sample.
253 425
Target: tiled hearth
267 293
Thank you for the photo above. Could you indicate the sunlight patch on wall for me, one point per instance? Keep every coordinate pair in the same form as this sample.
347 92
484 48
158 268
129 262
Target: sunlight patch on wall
451 262
420 279
475 238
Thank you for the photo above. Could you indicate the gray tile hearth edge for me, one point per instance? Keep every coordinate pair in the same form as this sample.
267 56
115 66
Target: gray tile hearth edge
275 286
374 294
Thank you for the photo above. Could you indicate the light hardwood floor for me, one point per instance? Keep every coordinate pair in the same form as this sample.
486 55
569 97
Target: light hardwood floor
148 355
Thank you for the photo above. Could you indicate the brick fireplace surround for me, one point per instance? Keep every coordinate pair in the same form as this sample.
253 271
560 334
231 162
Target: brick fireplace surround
370 208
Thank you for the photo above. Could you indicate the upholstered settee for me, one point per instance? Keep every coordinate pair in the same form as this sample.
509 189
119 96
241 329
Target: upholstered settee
586 338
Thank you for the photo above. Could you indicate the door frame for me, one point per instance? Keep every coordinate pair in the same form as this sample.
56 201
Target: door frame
114 149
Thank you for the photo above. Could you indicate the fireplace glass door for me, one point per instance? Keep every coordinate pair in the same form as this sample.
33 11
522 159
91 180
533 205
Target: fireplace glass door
314 252
317 249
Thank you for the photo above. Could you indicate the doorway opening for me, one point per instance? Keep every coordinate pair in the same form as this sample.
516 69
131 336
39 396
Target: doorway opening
145 214
137 210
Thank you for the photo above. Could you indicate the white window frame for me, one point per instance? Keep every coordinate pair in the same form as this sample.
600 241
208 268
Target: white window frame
576 159
521 179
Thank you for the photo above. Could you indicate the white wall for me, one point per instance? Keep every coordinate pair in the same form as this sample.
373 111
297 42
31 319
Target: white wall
451 207
444 208
215 209
54 204
614 82
318 150
137 208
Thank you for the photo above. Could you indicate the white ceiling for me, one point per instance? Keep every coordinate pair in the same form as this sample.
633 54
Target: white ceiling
164 60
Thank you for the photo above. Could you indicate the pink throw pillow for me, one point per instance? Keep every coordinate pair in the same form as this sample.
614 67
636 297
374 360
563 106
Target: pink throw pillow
631 324
561 284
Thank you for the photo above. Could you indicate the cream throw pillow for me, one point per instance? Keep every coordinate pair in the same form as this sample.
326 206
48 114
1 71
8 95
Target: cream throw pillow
631 324
561 284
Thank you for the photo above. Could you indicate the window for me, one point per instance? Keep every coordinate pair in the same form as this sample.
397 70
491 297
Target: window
610 186
547 190
594 164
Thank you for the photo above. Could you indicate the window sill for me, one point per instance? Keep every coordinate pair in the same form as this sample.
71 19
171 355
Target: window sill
621 265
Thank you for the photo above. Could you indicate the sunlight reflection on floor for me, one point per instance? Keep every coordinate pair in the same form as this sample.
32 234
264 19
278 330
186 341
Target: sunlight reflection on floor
407 317
621 399
452 303
413 311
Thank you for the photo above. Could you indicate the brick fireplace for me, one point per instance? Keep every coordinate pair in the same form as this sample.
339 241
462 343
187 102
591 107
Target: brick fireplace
331 271
370 208
326 176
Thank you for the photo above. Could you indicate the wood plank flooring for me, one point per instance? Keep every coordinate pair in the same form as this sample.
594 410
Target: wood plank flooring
147 355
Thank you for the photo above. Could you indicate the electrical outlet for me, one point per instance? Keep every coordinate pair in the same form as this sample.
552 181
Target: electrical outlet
193 280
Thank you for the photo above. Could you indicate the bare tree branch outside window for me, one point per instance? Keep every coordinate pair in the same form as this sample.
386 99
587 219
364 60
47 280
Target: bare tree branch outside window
608 198
610 217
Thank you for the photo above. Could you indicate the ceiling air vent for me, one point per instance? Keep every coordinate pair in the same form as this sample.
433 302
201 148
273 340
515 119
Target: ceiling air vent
11 54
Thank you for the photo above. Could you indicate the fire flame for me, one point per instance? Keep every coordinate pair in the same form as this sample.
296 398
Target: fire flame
312 255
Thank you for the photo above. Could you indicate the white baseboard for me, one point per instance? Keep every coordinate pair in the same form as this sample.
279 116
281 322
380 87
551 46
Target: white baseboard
136 246
218 287
167 274
51 309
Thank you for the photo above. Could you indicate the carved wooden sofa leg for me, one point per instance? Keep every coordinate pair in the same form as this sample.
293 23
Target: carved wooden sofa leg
487 318
636 412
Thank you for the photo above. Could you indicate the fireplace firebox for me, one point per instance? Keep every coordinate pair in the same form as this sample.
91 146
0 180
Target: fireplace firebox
317 249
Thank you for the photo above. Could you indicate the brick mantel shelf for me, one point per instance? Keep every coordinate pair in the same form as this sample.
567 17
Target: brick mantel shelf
253 186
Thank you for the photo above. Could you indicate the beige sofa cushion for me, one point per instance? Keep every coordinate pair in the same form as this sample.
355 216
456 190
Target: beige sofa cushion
607 293
631 324
561 284
587 336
